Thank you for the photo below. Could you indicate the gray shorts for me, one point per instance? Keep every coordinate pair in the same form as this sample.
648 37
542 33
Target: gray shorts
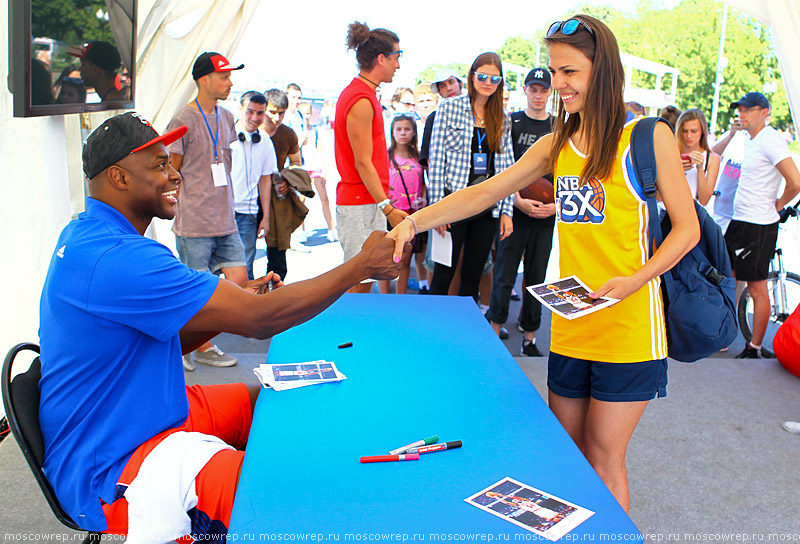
354 224
211 253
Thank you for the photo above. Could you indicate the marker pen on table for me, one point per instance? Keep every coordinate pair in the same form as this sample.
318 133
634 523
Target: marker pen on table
436 447
383 458
430 440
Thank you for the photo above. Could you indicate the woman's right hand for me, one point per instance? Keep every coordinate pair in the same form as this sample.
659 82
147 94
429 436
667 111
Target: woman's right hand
401 234
442 229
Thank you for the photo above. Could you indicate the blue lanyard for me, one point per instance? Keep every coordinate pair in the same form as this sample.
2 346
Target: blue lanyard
481 138
213 137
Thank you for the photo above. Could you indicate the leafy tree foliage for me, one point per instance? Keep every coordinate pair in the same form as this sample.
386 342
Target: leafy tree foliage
70 21
685 37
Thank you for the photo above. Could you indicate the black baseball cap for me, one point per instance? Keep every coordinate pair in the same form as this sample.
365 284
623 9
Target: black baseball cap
101 54
211 62
118 137
751 100
540 76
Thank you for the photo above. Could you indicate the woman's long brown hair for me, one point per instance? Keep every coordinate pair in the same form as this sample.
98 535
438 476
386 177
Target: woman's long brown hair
693 114
603 115
494 113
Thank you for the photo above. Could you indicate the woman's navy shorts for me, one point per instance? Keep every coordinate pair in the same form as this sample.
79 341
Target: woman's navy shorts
611 382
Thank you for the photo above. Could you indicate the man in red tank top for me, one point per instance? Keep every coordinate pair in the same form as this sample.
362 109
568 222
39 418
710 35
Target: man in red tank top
360 146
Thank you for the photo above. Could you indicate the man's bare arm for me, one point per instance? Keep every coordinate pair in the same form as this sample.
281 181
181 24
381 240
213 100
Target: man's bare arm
359 132
788 170
239 311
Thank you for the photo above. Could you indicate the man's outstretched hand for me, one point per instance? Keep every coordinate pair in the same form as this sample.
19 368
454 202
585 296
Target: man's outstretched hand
261 285
377 257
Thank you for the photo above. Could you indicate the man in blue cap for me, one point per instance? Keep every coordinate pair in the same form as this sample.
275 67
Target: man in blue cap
753 232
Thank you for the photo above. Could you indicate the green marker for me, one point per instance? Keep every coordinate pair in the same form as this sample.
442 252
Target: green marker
418 443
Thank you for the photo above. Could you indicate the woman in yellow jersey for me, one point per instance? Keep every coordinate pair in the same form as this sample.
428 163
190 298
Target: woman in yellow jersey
604 367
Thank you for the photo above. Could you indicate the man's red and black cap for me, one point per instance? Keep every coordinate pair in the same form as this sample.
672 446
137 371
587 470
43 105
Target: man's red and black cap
208 63
101 54
118 137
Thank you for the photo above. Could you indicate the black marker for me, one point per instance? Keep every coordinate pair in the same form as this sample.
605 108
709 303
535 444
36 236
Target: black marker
346 345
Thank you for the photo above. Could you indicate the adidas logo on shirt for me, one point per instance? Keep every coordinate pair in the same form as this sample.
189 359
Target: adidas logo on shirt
60 252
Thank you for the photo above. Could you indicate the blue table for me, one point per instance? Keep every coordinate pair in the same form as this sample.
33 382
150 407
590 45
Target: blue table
419 366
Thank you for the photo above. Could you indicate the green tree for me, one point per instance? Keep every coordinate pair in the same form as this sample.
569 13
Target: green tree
519 50
70 21
686 37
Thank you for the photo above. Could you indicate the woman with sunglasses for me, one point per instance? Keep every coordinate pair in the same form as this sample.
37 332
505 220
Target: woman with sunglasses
604 367
471 141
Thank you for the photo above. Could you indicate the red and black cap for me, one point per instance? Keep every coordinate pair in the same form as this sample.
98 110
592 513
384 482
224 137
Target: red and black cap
118 137
101 54
208 63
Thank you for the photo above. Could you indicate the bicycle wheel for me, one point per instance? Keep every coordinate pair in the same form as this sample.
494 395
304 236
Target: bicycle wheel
776 317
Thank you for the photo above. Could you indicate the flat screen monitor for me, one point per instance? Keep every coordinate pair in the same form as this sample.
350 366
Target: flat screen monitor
71 56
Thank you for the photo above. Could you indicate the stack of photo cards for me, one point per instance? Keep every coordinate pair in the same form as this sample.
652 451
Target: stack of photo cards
292 376
569 298
529 508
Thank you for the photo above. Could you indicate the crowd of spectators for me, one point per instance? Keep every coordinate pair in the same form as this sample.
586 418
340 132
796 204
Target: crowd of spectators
228 182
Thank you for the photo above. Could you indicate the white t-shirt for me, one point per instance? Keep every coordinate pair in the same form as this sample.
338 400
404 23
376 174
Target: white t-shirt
250 162
730 168
760 180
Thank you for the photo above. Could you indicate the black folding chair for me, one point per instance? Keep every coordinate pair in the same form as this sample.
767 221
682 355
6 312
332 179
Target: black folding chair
21 402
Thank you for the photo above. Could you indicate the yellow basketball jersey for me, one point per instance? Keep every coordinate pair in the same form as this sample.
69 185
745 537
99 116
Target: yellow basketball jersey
602 234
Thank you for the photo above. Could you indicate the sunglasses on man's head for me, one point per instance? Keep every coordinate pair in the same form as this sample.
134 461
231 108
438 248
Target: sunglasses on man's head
399 53
567 28
494 80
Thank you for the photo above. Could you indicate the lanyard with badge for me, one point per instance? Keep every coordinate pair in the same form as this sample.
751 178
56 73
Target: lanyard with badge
479 160
218 173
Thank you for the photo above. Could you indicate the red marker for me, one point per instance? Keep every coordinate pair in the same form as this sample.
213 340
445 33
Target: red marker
384 458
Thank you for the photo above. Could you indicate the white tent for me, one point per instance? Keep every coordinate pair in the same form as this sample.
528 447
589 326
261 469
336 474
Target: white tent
42 183
784 18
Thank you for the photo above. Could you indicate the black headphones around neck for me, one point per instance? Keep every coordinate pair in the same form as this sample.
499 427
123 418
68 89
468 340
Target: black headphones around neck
255 137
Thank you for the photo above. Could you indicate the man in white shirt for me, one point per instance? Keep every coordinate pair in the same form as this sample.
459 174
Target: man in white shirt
254 162
753 232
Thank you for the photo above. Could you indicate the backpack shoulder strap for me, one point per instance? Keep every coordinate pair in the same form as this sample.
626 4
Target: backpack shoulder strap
643 158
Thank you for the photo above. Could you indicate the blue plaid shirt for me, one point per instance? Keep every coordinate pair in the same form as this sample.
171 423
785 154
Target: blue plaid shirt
451 151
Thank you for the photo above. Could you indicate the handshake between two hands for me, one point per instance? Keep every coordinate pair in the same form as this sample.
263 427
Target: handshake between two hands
381 257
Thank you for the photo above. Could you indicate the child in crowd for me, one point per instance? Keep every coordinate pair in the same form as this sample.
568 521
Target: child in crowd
407 192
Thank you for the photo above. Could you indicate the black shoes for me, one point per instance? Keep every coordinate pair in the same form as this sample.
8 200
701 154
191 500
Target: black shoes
503 334
529 349
749 352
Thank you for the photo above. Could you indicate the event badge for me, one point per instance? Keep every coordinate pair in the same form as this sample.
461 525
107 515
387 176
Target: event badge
219 174
479 163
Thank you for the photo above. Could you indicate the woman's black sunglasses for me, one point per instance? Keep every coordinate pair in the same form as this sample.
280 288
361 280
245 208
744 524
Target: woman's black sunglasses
568 27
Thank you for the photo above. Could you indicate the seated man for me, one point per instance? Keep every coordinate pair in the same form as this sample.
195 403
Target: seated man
128 447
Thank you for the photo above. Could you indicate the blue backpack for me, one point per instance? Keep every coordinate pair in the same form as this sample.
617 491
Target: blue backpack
699 291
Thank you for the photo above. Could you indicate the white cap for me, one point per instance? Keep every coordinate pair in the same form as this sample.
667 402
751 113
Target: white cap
444 75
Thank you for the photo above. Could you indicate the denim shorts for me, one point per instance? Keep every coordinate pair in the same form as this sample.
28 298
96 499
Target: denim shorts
211 253
610 382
